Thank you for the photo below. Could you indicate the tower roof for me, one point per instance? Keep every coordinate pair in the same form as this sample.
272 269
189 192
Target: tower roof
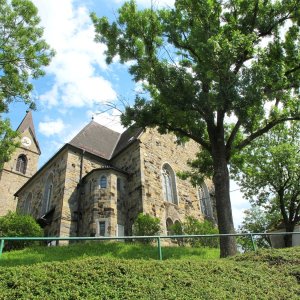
27 123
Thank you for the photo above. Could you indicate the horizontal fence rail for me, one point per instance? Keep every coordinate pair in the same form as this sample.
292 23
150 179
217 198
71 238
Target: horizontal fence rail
157 238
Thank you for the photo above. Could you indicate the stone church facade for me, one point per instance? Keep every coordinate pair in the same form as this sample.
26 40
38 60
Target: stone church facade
21 167
99 182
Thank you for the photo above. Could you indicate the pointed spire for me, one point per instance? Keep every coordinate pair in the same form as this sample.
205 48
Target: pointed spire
27 123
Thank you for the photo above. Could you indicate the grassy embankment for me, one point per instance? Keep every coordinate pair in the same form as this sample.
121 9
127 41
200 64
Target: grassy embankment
123 271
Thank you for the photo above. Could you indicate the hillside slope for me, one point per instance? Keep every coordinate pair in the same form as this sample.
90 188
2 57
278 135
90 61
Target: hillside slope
273 274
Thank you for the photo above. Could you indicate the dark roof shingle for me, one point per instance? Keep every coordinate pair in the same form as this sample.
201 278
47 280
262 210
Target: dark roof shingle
96 139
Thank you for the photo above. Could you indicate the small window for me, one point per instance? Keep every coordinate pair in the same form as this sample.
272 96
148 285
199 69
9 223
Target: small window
48 193
90 186
103 182
21 164
102 228
119 184
120 230
205 201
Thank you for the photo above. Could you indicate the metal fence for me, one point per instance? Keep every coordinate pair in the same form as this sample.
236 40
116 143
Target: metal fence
157 238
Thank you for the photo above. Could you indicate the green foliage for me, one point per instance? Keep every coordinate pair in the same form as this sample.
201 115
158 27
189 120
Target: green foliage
146 225
203 61
23 54
269 173
244 277
193 226
257 220
17 225
8 142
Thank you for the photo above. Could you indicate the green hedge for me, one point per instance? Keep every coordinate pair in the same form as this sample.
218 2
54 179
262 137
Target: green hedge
244 277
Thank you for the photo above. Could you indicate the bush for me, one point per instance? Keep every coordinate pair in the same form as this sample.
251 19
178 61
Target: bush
194 226
146 225
176 229
17 225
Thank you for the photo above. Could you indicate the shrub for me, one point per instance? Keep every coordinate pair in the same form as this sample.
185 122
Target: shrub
176 229
146 225
17 225
194 226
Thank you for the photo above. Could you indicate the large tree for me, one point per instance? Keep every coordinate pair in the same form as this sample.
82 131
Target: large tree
23 53
269 173
204 61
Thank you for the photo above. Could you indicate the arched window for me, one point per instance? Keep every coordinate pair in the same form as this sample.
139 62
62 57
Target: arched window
27 204
21 163
205 201
169 224
103 182
169 184
47 194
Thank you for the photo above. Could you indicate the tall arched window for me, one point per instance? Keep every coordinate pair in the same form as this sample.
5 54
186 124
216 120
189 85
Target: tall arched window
27 204
103 182
21 163
205 201
169 184
47 194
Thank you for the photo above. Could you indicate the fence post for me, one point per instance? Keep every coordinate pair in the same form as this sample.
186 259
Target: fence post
159 248
1 247
253 242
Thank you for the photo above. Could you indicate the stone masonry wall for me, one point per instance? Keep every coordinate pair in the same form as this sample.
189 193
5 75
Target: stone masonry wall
56 167
102 204
156 150
71 195
130 161
11 180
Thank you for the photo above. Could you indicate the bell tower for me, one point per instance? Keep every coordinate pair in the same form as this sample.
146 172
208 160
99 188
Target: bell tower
22 165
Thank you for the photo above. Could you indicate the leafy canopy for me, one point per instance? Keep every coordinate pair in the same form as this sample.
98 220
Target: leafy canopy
205 60
269 172
23 54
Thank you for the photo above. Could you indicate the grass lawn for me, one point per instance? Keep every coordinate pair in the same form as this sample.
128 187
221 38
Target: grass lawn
112 250
126 271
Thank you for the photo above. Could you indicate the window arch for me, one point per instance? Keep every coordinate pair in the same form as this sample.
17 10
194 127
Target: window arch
205 201
169 184
103 182
21 164
27 204
169 224
47 194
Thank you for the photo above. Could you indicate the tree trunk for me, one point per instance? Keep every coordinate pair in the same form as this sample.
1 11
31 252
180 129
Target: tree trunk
288 238
224 212
223 204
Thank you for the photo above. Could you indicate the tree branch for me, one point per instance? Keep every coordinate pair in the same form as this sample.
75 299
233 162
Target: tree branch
263 130
232 137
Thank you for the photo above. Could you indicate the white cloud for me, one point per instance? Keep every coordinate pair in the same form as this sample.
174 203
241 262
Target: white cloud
49 128
78 60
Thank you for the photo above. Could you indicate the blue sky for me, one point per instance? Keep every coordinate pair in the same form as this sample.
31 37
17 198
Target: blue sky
78 81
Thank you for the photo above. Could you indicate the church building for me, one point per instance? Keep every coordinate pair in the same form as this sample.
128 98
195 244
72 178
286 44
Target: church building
21 167
99 182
